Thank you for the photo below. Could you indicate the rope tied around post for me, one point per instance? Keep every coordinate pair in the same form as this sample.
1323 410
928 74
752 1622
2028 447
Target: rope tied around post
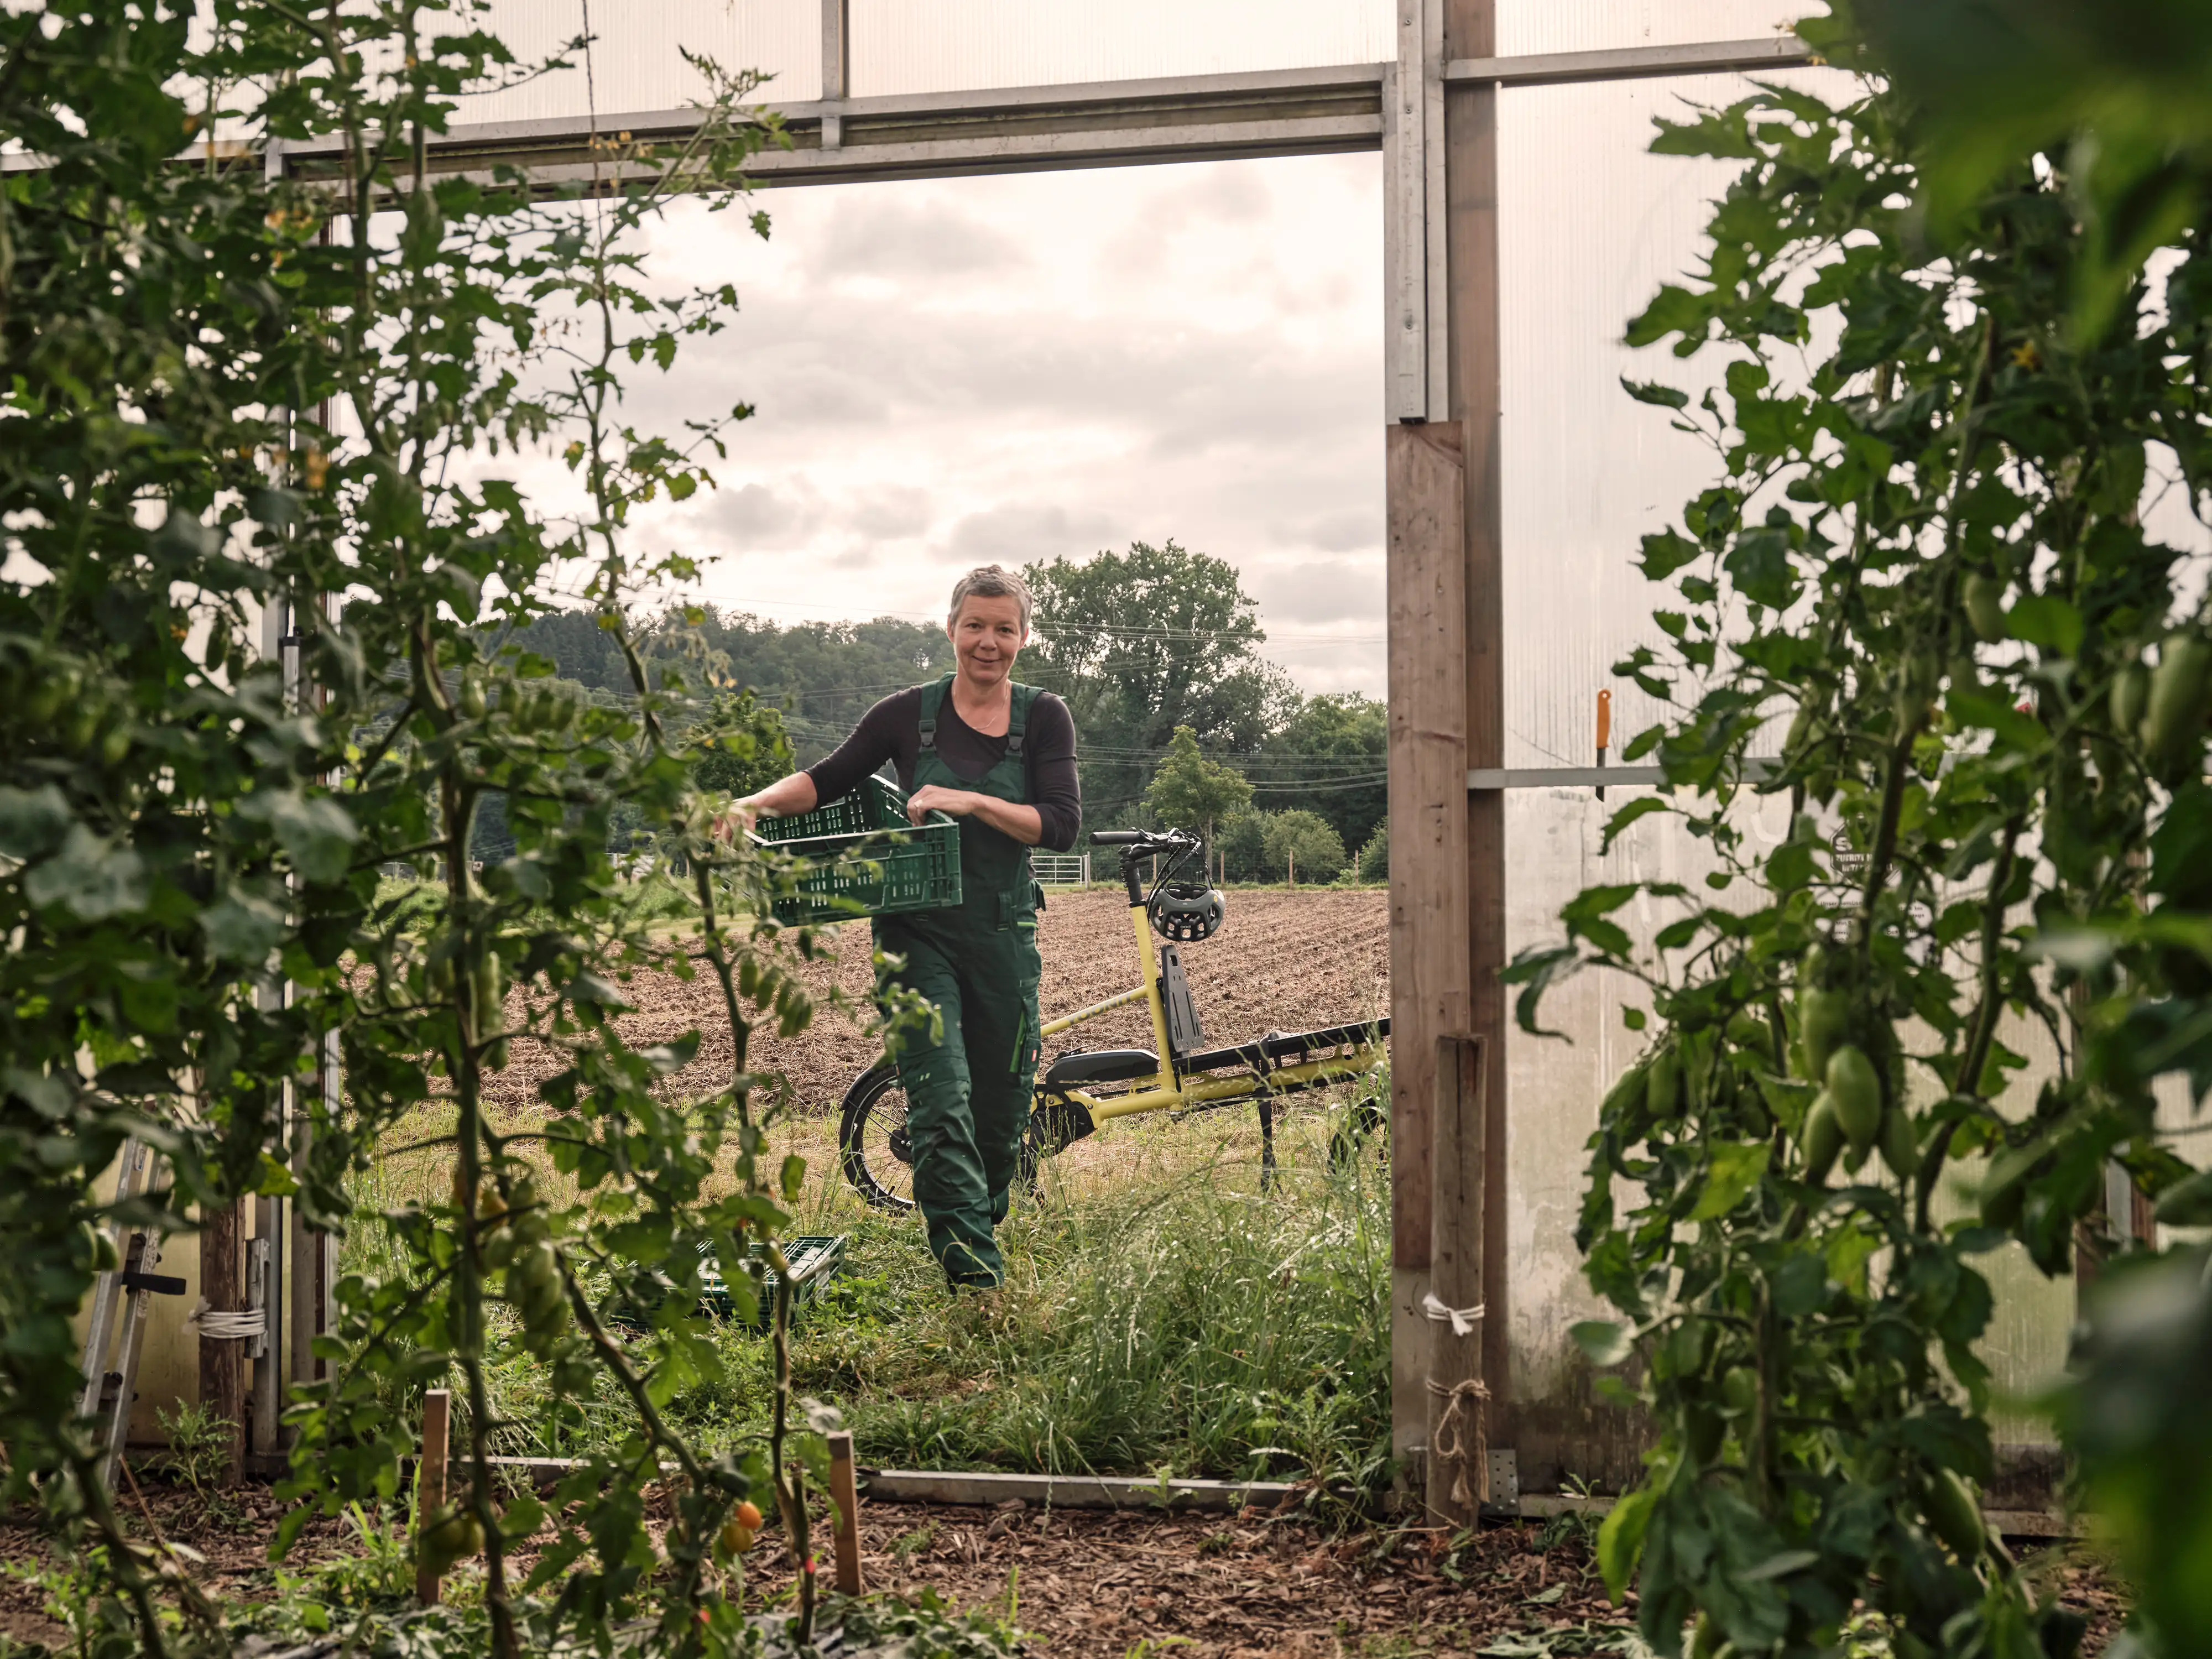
1448 1443
213 1325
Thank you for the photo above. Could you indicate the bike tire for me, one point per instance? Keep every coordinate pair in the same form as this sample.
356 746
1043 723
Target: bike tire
871 1129
1365 1126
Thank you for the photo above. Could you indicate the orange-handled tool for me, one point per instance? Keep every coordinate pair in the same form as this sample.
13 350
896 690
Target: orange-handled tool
1604 731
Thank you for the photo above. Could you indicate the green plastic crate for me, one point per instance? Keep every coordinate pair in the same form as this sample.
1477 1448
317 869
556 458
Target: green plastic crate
859 869
814 1259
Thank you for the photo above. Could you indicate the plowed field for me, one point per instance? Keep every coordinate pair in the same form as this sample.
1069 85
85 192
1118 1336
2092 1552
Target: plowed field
1287 961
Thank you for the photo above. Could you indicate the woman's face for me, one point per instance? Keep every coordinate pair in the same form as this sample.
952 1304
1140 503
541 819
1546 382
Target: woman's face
986 636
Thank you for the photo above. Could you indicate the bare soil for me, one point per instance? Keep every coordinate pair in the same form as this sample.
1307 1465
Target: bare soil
1287 961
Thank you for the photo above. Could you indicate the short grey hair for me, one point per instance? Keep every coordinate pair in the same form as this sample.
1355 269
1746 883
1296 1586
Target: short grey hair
990 581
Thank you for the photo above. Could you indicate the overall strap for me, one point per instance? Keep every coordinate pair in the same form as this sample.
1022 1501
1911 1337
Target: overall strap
1018 721
933 700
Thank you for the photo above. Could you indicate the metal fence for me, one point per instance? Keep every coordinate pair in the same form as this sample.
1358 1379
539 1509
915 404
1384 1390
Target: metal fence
1061 869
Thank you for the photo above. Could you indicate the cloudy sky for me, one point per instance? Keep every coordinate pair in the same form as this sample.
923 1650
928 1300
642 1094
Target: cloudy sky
953 373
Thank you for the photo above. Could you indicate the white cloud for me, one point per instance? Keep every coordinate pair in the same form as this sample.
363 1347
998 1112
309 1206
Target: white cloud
962 371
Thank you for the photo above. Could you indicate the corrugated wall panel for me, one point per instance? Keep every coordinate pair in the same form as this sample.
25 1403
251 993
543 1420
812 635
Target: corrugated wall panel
1525 26
956 45
1590 226
636 58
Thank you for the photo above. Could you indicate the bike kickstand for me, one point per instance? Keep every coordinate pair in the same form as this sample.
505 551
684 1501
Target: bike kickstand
1266 1143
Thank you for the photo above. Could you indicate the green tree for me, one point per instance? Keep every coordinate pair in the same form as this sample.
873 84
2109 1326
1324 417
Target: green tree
737 746
1190 789
1331 755
1141 642
1923 563
1244 846
1373 862
1302 843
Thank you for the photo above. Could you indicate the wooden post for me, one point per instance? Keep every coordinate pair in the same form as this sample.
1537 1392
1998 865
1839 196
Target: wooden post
1427 601
844 1494
1458 1463
1477 403
223 1359
430 1483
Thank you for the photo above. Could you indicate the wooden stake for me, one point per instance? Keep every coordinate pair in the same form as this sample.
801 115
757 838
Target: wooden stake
223 1359
1470 230
1458 1402
1426 581
845 1495
430 1484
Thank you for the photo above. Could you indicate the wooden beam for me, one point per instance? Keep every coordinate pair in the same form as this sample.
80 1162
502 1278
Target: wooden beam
430 1485
1458 1415
1425 582
223 1359
845 1498
1471 207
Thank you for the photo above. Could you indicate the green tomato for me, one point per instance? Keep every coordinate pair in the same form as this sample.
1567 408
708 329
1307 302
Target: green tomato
1740 1391
2173 718
1900 1144
448 1535
1954 1515
1663 1084
1823 1019
2130 691
1823 1139
1856 1090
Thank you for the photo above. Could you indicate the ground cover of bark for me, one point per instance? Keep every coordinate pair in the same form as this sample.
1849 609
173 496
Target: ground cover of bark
1092 1584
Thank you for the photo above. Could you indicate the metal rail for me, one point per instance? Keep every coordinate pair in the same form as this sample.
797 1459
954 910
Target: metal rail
1586 777
1189 117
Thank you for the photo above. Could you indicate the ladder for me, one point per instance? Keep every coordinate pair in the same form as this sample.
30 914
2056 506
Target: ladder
120 1299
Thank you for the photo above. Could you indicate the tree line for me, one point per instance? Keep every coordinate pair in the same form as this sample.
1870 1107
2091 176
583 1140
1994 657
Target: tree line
1157 651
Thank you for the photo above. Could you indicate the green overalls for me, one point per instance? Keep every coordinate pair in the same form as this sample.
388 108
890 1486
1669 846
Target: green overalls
968 1092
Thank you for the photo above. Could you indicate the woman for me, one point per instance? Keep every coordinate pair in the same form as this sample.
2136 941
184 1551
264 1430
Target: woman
1000 758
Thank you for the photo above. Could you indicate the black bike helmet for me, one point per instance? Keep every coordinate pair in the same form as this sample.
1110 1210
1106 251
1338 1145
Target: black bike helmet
1187 912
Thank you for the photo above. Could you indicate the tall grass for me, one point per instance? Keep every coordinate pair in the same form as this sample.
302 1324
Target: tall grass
1162 1314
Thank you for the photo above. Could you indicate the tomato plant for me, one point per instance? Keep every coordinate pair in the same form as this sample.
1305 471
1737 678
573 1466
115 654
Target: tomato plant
235 389
1939 599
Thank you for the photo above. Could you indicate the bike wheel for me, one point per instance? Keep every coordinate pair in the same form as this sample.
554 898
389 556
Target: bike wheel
1365 1127
872 1139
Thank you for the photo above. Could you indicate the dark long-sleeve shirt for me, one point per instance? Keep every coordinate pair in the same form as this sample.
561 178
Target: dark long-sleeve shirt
891 730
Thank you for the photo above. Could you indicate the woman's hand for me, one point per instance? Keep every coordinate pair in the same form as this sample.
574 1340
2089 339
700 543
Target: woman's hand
1022 823
935 798
736 820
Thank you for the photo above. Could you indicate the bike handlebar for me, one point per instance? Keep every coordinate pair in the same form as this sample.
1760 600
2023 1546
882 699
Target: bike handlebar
1162 838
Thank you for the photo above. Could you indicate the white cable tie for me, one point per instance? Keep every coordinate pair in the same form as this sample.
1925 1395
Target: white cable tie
1461 1320
217 1326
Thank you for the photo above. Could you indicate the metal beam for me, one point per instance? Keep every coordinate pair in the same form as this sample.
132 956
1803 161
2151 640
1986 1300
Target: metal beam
944 134
1557 777
837 70
1187 118
1585 777
1553 69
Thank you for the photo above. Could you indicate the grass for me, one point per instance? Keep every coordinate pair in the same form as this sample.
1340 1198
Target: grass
1162 1316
